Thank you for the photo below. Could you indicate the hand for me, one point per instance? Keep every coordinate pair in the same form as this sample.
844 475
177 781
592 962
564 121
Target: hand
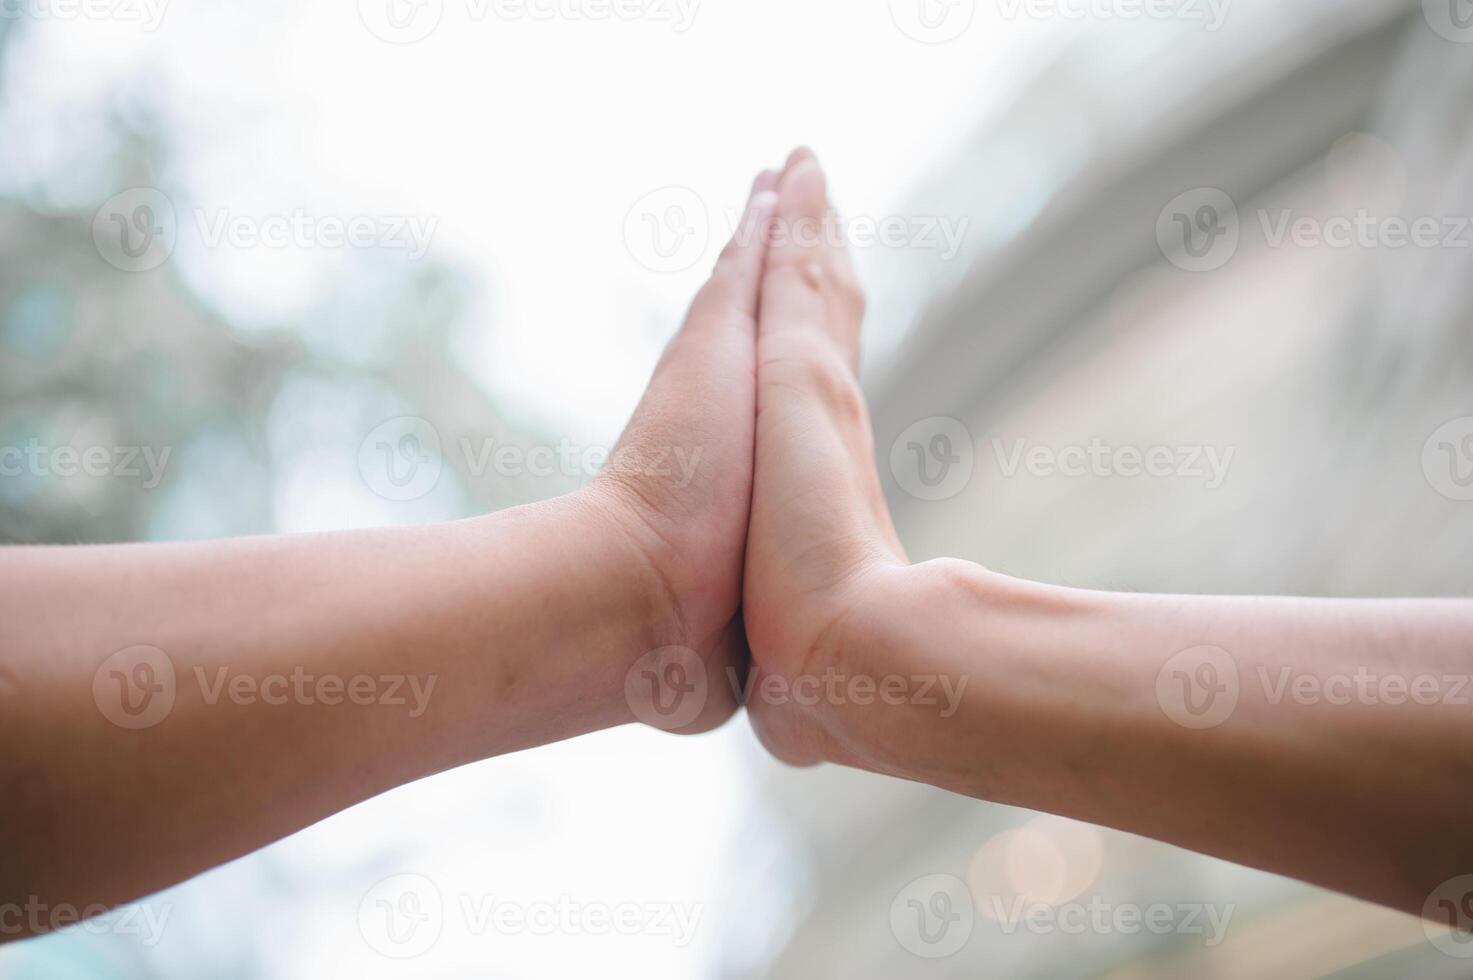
680 481
1066 700
821 535
475 638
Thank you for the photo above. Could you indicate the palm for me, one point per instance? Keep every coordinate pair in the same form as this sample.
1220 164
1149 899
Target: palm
819 524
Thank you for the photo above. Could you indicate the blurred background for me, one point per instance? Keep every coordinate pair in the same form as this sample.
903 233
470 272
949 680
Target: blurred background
298 266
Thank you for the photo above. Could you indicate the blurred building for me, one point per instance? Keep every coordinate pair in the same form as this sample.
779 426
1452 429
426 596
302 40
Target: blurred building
1321 373
1093 301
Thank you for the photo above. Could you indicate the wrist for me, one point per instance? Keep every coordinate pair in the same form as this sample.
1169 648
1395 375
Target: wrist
1013 668
683 652
1060 702
559 608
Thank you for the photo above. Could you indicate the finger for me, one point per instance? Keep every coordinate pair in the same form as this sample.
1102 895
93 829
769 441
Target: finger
737 279
702 395
816 423
810 289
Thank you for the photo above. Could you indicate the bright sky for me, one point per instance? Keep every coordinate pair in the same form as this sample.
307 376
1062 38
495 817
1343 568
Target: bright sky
527 142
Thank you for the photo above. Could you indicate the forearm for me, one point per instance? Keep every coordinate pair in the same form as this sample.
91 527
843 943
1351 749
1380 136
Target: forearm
308 673
1327 740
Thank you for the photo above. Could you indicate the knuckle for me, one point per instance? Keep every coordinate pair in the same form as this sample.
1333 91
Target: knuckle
814 274
838 288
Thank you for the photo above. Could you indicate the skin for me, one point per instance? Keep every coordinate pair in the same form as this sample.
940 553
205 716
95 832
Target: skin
779 557
527 622
1059 707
